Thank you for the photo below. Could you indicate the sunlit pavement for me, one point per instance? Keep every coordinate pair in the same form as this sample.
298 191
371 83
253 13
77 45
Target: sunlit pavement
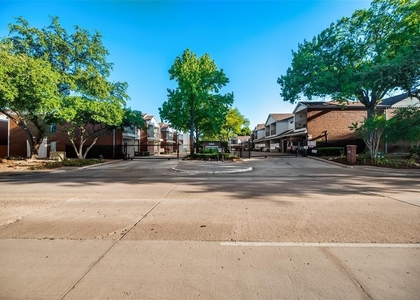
290 228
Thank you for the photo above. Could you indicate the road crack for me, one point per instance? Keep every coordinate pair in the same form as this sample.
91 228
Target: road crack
335 260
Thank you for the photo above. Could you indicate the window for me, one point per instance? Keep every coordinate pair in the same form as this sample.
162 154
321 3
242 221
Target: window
53 146
53 128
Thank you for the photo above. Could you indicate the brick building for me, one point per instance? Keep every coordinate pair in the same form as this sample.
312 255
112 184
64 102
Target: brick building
323 124
13 142
168 139
326 123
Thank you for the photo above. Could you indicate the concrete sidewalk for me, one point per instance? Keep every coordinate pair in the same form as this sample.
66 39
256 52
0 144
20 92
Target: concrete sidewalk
98 269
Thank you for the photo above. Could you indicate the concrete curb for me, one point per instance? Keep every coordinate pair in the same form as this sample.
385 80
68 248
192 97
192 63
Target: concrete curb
212 172
72 169
407 172
331 162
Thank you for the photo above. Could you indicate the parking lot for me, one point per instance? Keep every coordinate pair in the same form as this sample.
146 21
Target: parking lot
288 228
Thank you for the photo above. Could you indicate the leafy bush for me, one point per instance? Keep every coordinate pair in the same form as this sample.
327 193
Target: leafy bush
415 150
330 151
211 155
379 155
68 163
210 151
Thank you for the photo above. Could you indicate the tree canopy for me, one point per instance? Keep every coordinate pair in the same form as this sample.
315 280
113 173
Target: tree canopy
28 93
196 104
405 126
79 62
234 124
362 57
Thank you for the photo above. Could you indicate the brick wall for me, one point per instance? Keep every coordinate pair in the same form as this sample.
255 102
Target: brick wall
143 141
4 137
335 121
18 141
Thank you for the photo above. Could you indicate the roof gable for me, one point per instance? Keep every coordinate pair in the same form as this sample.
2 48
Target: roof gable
327 105
260 127
272 118
402 100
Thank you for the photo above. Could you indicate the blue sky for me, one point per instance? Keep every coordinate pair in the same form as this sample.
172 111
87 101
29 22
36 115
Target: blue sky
250 40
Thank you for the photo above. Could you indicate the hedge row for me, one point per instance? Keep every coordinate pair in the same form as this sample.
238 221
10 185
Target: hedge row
329 151
415 150
211 155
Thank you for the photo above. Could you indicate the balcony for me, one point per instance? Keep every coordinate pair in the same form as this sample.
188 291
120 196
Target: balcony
131 132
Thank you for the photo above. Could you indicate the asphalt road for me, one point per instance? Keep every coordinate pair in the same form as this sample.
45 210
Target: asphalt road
292 228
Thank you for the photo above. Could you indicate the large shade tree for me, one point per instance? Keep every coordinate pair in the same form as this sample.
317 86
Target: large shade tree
28 93
80 59
235 124
405 126
196 104
363 57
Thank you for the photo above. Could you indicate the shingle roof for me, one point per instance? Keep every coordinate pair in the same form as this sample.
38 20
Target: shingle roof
393 101
260 126
279 117
243 137
330 104
148 117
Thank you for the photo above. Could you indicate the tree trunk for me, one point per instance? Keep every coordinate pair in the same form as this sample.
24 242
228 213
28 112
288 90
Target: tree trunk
192 126
33 139
191 139
90 147
370 111
368 101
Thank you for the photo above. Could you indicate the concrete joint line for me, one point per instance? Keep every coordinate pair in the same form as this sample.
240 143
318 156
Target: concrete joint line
116 242
394 199
322 245
335 260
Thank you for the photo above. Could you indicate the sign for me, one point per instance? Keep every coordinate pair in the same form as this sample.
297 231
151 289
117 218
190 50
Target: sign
311 144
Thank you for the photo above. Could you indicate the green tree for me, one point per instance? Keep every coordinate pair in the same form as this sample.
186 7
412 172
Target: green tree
405 126
196 105
233 125
28 93
245 131
133 119
81 60
371 130
362 58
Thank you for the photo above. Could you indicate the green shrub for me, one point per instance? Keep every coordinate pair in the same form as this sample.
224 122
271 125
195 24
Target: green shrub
330 151
415 150
68 163
209 151
379 155
80 162
213 155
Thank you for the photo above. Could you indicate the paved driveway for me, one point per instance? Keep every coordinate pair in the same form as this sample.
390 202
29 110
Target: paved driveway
292 228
